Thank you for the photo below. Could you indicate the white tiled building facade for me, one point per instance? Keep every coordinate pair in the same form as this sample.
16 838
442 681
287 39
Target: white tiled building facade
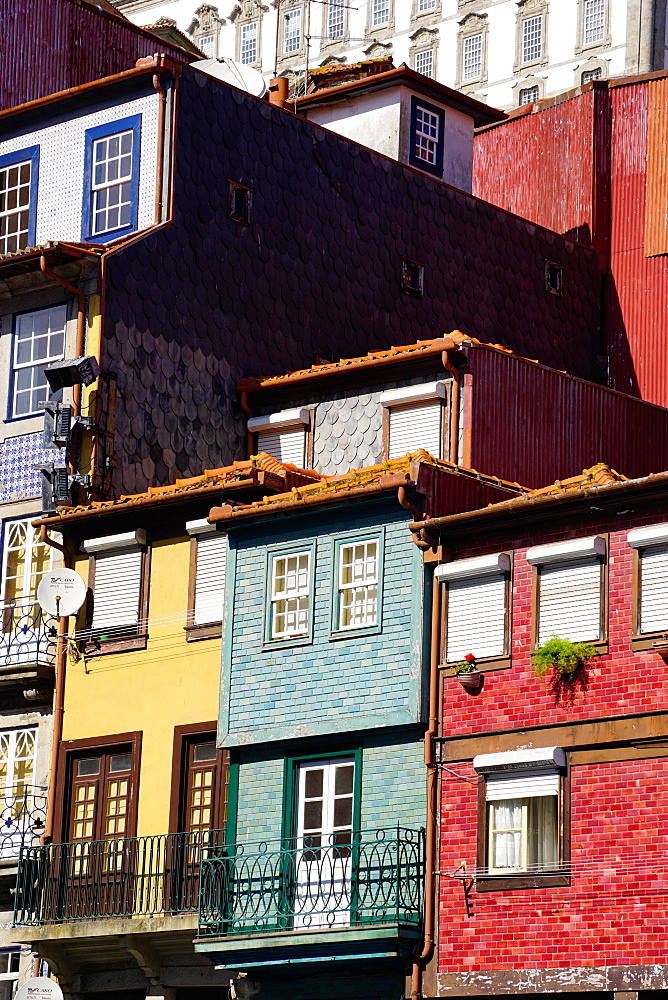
504 52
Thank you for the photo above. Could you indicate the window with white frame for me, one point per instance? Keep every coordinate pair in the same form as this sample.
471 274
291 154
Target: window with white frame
594 21
358 584
380 13
427 135
591 74
471 57
39 339
117 584
248 46
424 62
424 5
282 435
10 964
21 802
335 20
15 188
415 418
207 588
651 543
25 560
292 31
207 43
532 38
522 809
112 181
290 595
529 94
476 606
570 589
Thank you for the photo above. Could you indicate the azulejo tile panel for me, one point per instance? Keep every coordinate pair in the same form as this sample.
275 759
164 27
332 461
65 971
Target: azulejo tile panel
19 479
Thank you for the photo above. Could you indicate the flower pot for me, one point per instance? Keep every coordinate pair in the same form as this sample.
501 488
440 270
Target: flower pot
470 681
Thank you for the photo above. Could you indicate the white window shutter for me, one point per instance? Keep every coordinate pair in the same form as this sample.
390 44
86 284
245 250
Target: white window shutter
476 617
570 601
416 426
522 786
284 443
210 579
654 590
117 590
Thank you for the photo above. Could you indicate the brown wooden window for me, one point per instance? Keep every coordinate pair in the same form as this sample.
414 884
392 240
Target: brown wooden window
199 781
118 580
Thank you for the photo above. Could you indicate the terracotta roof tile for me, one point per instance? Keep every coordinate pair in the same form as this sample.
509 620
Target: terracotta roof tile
598 475
420 348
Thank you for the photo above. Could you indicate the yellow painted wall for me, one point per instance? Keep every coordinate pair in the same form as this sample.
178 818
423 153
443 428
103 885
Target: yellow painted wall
170 683
90 393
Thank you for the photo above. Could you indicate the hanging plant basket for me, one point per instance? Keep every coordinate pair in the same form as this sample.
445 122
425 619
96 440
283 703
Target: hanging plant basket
470 681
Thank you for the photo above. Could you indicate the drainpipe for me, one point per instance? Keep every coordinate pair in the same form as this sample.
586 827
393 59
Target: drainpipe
81 320
58 696
432 802
160 158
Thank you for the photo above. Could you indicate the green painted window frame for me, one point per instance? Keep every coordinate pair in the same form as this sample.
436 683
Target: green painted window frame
339 542
292 548
291 787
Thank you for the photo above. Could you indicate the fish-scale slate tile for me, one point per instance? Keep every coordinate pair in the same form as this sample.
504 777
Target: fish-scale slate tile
205 301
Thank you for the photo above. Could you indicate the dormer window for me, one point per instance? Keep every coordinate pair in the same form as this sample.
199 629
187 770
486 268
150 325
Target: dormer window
427 126
282 435
414 418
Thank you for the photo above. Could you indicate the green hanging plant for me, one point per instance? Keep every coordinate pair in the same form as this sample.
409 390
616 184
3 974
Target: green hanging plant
561 655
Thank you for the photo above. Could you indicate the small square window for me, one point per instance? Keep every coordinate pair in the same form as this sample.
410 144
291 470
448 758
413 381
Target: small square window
412 275
554 278
528 95
239 203
591 74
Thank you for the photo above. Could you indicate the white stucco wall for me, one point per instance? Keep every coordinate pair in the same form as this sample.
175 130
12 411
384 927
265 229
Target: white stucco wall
61 165
371 119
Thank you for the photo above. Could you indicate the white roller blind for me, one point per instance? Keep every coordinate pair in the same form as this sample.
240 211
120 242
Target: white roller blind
117 589
416 426
654 590
476 617
570 601
522 786
210 579
285 444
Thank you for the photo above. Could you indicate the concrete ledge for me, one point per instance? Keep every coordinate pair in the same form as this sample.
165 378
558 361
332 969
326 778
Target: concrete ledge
110 927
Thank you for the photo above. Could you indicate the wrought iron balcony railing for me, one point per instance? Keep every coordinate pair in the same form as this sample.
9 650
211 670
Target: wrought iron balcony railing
120 877
22 816
371 877
28 635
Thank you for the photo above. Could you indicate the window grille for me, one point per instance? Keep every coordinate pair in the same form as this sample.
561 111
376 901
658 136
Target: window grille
424 62
290 593
112 182
472 57
358 585
532 38
14 206
248 48
594 21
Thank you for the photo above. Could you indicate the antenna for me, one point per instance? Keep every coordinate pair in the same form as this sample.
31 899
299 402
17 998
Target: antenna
61 592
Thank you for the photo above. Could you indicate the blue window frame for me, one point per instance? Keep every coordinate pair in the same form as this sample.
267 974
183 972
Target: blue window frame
39 339
427 136
357 585
290 594
111 180
18 199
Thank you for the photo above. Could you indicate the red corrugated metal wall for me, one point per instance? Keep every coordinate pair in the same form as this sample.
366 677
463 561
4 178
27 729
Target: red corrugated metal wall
555 426
51 45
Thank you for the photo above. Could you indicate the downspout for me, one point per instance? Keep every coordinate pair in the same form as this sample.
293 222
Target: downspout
432 802
453 450
81 320
160 159
58 697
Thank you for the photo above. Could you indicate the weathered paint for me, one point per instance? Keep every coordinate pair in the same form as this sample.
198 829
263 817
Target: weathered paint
49 47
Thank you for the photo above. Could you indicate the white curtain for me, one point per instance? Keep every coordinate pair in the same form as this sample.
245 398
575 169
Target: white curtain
542 833
507 835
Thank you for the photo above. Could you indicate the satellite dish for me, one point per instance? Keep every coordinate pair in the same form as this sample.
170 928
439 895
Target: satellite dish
61 592
236 74
40 988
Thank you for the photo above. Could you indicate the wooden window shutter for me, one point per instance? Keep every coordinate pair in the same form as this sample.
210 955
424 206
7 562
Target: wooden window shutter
570 601
210 578
415 426
476 617
653 589
117 589
284 443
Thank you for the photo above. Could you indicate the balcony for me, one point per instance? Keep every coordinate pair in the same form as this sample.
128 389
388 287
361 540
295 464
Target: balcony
258 904
28 639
